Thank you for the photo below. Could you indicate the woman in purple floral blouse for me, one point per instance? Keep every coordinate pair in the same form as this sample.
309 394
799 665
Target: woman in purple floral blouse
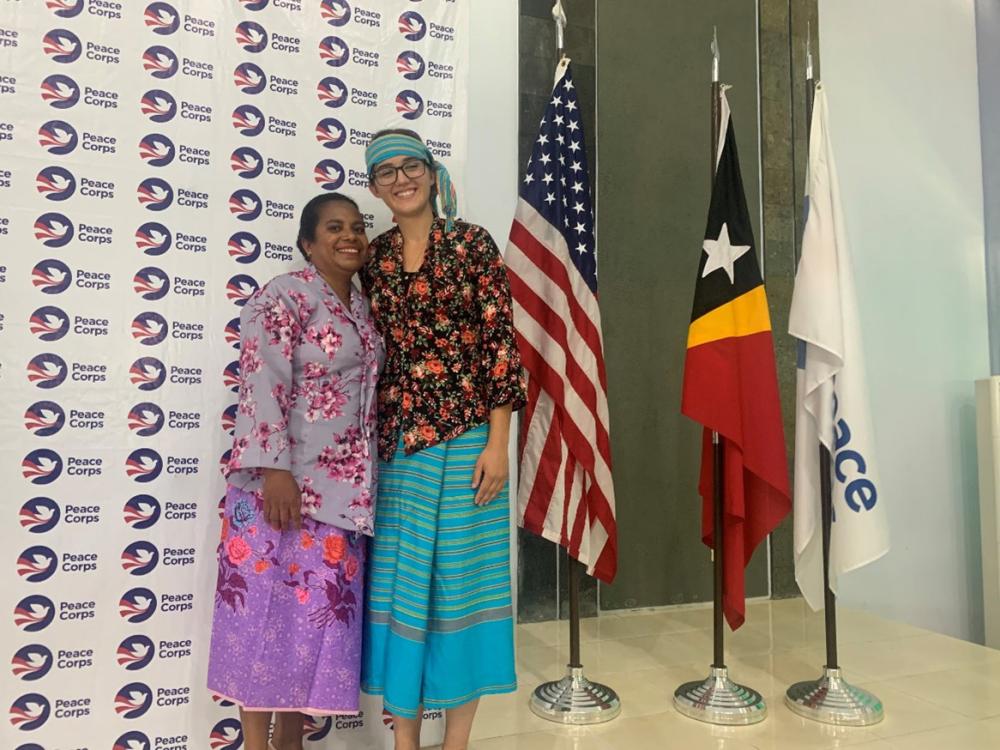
438 628
286 633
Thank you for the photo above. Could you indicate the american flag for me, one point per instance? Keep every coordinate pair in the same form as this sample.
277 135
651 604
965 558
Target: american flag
565 491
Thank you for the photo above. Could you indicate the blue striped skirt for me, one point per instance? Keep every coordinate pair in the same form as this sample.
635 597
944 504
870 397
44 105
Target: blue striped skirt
438 628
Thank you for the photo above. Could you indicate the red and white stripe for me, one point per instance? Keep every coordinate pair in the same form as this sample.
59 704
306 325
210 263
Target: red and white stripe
565 492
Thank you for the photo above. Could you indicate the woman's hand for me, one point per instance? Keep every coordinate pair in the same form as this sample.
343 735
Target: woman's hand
490 473
282 500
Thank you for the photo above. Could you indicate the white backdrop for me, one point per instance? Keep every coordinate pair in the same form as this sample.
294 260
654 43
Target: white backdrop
152 159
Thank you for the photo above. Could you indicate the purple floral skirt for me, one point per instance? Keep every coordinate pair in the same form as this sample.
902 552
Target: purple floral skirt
286 631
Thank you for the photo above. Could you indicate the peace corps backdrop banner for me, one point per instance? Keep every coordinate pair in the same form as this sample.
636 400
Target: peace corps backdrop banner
153 156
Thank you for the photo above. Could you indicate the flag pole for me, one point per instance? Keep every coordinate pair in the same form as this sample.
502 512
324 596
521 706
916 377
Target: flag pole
574 699
830 699
717 699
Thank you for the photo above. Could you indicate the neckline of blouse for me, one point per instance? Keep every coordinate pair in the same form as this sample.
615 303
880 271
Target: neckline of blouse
397 247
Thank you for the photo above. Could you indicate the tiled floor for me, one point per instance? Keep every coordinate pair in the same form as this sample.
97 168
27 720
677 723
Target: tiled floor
939 693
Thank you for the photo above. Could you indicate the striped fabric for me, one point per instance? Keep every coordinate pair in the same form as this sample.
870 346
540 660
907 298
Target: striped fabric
438 629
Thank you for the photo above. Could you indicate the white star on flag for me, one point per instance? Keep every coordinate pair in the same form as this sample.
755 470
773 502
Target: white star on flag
722 254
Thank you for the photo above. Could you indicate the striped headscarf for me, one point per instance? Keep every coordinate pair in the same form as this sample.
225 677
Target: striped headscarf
391 145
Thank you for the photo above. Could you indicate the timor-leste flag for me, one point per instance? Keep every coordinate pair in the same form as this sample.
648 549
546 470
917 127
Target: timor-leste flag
730 383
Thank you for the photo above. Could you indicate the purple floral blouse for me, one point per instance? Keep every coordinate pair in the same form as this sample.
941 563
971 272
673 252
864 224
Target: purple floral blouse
308 373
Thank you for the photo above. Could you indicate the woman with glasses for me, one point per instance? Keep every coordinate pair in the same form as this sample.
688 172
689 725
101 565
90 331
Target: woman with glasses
438 631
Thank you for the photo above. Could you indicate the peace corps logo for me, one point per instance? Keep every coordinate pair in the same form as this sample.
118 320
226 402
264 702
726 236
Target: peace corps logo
29 712
135 653
226 735
147 373
145 419
159 62
231 376
249 78
51 276
141 512
244 248
412 26
62 46
246 162
137 605
47 370
248 120
133 700
153 238
255 4
232 333
334 51
411 65
58 137
335 12
155 194
53 230
65 8
229 419
332 92
34 613
132 741
31 662
149 328
158 105
220 701
251 36
37 564
329 174
48 324
409 104
42 466
316 728
331 132
44 418
140 558
245 205
143 465
55 183
60 91
241 288
156 150
151 283
162 19
39 515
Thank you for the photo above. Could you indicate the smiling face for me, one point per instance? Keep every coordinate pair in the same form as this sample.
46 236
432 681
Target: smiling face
339 246
406 197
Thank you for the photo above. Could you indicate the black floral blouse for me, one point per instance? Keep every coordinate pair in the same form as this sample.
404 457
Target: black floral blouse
449 336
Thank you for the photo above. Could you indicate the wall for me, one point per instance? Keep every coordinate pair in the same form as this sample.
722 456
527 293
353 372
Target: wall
489 193
988 48
654 187
901 78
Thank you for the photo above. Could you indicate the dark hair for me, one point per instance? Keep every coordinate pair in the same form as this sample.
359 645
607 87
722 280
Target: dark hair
309 219
411 134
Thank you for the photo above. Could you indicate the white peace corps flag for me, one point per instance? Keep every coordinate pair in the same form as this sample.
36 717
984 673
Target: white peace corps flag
831 390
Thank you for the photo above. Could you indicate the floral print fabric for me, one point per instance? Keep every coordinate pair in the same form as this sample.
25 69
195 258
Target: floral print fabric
286 631
308 373
449 332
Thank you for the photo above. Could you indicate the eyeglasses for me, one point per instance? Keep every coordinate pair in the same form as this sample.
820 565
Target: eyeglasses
387 174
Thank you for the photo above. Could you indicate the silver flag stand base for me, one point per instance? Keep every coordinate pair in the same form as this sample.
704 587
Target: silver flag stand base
833 700
575 700
719 700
